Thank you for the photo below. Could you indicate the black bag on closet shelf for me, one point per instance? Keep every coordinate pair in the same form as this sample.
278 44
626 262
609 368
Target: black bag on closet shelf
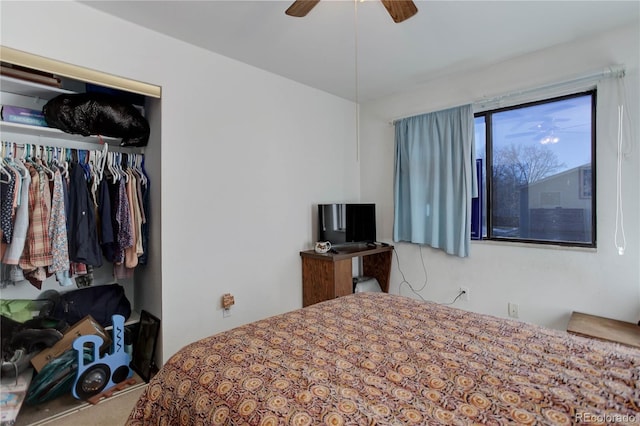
99 301
96 113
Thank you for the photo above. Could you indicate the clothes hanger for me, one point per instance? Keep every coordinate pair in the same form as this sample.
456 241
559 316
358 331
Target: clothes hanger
65 155
124 175
143 172
4 164
136 167
5 172
102 158
41 160
26 153
91 171
112 167
9 149
83 161
54 159
110 160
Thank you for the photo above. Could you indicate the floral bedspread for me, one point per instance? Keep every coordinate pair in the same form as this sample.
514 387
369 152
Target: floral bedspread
380 359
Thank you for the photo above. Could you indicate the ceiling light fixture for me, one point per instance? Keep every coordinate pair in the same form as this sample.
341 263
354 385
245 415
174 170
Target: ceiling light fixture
549 139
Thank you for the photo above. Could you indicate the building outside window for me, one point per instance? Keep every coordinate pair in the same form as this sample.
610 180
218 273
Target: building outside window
541 161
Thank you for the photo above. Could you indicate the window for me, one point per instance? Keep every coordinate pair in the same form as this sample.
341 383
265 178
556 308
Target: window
541 158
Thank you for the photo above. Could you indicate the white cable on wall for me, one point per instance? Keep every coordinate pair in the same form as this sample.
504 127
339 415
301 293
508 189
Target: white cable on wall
620 240
619 237
357 80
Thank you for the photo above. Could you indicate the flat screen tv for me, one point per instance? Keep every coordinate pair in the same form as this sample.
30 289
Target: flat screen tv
343 224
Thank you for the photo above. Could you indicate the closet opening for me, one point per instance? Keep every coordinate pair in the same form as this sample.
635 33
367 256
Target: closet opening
127 178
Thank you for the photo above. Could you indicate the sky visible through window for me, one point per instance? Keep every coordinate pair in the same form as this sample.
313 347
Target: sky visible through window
541 174
563 127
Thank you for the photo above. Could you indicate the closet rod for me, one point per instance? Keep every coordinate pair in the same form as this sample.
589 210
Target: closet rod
93 148
71 144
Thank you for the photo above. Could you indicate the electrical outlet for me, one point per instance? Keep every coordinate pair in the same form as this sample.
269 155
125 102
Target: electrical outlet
513 309
466 294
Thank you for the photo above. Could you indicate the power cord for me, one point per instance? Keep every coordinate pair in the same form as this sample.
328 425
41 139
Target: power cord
456 299
404 279
426 277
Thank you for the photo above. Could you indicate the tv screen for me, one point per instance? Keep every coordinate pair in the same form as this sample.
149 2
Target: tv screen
342 224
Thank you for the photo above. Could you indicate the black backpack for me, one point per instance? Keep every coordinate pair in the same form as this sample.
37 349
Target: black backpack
99 301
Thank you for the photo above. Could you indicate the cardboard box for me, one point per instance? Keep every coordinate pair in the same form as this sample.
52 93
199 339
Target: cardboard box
84 327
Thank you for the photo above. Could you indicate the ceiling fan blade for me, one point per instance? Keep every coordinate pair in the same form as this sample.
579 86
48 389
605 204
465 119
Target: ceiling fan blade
400 9
300 8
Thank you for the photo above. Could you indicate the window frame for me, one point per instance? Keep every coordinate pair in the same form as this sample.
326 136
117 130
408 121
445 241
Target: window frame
487 202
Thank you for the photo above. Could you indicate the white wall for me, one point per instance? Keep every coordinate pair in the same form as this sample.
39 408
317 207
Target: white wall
547 283
242 151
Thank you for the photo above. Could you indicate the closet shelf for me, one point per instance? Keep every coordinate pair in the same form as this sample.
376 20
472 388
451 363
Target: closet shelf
37 94
49 132
28 88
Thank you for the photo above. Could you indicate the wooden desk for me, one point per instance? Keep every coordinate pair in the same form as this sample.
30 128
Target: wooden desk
604 329
327 276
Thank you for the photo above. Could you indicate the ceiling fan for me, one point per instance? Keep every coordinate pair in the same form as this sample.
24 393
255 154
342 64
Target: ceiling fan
399 10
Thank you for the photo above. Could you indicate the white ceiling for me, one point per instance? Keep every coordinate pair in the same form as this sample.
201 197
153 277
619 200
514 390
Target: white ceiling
320 49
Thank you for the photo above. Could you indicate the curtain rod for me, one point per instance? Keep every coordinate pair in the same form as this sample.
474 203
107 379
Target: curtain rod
616 71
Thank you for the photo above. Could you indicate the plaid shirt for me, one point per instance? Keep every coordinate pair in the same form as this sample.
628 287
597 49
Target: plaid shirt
37 250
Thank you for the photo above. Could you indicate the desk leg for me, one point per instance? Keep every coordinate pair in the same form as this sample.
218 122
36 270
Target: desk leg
378 266
343 277
325 279
316 278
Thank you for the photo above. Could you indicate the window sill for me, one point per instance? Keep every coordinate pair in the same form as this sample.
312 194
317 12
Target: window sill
535 245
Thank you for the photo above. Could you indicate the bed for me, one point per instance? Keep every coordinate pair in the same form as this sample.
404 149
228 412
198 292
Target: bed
382 359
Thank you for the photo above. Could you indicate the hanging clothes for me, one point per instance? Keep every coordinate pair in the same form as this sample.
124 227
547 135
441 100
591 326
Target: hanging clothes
146 205
21 220
131 255
83 235
7 189
140 214
37 251
36 255
58 228
123 216
106 234
63 220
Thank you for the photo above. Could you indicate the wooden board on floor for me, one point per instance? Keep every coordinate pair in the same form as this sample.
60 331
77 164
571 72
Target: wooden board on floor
37 414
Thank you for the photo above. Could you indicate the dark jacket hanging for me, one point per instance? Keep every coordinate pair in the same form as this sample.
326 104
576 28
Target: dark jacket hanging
83 234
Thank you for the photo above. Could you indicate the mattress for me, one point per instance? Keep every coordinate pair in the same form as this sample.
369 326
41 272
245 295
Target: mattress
381 359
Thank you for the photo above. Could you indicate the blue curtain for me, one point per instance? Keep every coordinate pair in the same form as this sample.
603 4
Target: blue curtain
435 179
